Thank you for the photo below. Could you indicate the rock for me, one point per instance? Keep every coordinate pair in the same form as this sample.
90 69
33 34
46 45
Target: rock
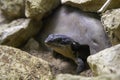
106 61
62 66
74 77
91 5
70 77
111 22
36 9
18 31
87 73
32 44
19 65
2 18
77 25
12 9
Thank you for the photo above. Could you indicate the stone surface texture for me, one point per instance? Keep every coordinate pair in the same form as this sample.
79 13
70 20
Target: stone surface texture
31 44
106 61
18 31
26 23
36 9
12 8
19 65
111 22
2 18
74 77
91 5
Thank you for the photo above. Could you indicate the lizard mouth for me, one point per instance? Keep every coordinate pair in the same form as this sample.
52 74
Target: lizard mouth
67 46
61 44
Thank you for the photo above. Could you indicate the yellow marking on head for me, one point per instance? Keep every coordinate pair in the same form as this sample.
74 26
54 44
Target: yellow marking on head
66 51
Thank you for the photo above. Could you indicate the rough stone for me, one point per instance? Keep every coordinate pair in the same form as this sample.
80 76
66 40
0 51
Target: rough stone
91 5
111 22
87 73
74 77
18 31
106 61
2 18
77 25
32 44
12 9
36 9
71 77
19 65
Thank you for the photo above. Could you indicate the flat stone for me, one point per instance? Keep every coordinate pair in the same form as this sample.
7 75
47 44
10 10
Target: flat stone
19 65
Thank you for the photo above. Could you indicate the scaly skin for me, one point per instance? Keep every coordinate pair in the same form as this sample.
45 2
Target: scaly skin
69 48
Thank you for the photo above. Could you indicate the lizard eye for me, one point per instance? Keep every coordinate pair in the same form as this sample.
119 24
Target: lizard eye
74 43
74 46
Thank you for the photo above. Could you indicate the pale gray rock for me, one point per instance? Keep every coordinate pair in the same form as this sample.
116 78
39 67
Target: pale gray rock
74 77
91 5
18 31
71 77
82 27
19 65
106 61
111 22
36 9
12 8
